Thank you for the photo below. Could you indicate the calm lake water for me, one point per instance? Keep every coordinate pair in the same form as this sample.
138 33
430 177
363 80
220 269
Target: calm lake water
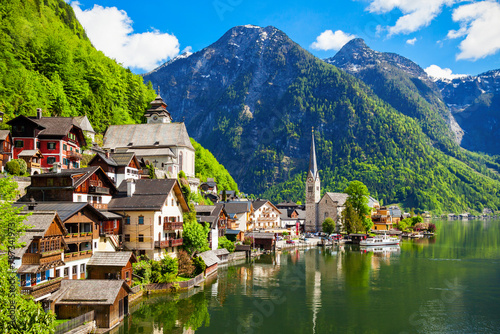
446 284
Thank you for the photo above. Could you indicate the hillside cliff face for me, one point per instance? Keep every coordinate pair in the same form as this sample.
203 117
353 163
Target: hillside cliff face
475 103
253 97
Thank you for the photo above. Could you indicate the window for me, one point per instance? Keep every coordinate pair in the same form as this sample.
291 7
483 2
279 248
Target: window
65 147
19 128
127 237
66 272
141 220
18 143
127 275
43 277
82 268
79 198
172 202
38 144
74 270
141 237
58 273
51 160
51 146
127 220
159 220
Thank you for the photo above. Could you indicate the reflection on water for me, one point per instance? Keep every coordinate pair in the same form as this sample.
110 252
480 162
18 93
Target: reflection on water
444 284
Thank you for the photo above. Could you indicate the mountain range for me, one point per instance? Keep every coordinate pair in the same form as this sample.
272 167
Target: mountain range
253 96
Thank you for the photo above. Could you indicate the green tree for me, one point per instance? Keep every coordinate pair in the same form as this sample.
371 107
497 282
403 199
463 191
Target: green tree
227 244
358 197
195 237
350 219
199 265
17 313
328 225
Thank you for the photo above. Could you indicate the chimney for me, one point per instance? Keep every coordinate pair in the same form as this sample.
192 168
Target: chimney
130 187
56 167
107 154
38 113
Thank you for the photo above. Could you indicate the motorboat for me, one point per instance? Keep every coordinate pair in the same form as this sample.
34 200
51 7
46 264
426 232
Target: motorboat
380 240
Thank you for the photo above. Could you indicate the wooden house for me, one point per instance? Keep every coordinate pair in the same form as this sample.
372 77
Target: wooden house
262 240
118 166
58 138
111 265
211 261
216 217
107 298
38 262
90 185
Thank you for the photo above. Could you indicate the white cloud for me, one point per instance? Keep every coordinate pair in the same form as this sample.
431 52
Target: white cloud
480 23
411 41
110 30
442 73
416 13
328 40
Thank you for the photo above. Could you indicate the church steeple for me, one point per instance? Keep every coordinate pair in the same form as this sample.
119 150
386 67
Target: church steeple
313 167
158 112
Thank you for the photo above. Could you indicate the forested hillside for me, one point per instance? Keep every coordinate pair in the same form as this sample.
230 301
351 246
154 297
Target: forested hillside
46 61
253 96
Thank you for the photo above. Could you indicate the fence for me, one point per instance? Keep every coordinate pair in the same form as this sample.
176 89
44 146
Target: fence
183 285
74 323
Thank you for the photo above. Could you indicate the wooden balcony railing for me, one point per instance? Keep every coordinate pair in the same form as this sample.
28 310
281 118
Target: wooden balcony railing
161 244
42 289
42 258
98 190
175 242
78 237
33 165
171 226
77 255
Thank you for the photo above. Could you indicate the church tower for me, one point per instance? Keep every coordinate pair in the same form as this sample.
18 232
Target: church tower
313 191
158 112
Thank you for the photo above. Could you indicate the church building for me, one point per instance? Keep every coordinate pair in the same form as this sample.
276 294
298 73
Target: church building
161 142
319 208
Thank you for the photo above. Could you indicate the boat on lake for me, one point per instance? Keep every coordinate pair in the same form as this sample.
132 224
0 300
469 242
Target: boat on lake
380 240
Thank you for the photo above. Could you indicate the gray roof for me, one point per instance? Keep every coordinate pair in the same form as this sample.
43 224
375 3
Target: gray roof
237 207
73 172
4 134
371 201
110 215
340 198
147 135
39 222
110 259
221 251
151 152
64 209
150 194
84 123
28 153
89 292
229 231
204 208
209 258
258 203
313 166
122 159
212 220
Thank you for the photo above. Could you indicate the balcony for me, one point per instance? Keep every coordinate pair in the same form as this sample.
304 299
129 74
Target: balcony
98 190
161 244
77 255
172 226
78 237
175 242
72 155
168 243
42 289
31 165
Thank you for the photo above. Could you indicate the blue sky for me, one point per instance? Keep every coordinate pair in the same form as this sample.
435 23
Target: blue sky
461 36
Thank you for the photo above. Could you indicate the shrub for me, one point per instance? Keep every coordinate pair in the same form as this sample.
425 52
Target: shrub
199 265
165 270
142 271
227 244
12 167
23 166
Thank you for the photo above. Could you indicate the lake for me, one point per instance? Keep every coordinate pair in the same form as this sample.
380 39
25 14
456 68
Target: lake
446 284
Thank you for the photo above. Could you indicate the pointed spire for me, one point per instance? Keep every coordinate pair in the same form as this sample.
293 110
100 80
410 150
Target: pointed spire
313 167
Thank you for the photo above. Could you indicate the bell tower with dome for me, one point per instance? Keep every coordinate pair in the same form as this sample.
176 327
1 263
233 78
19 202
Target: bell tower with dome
158 112
313 191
